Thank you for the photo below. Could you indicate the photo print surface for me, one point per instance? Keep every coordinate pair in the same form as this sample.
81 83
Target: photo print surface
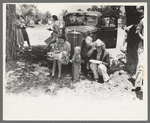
63 61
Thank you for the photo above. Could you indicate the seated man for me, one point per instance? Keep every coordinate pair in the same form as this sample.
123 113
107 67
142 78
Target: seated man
100 61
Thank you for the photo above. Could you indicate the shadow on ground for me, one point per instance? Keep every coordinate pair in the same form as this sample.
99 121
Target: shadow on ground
31 72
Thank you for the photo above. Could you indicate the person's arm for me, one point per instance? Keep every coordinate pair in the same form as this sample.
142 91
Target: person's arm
92 55
78 58
90 51
69 47
73 58
141 36
124 40
18 24
139 29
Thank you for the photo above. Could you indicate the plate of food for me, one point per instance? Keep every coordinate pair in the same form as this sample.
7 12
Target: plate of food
95 61
58 51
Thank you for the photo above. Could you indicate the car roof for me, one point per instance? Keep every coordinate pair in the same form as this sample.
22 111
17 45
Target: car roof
86 12
92 12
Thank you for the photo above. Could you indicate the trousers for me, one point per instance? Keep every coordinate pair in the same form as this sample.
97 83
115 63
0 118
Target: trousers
76 68
99 70
140 69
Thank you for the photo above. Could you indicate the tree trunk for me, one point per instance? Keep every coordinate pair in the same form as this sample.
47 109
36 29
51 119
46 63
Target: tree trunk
130 15
132 57
11 42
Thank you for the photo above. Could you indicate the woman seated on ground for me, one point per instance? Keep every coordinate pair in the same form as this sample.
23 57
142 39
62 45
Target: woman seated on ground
61 55
100 61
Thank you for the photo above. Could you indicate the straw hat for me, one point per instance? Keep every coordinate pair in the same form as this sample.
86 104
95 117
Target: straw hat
98 43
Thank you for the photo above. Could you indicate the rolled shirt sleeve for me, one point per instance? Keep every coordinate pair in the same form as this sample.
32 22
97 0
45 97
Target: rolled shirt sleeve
140 27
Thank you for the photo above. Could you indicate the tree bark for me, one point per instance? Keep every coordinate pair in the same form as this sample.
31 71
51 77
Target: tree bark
11 42
131 17
132 46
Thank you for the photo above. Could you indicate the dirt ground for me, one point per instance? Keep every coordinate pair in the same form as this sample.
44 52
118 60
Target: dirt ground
30 74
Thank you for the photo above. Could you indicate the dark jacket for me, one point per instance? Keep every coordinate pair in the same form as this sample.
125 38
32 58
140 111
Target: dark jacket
104 57
84 49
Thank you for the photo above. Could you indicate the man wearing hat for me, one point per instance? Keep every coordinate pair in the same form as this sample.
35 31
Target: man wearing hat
101 56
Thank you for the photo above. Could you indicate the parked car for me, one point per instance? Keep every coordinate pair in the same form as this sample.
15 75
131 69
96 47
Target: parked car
81 24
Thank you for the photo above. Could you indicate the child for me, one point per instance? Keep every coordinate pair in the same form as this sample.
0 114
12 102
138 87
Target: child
76 64
64 58
56 49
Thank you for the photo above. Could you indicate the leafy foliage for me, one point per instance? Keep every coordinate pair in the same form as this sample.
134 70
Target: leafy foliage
43 17
26 9
30 12
106 9
46 16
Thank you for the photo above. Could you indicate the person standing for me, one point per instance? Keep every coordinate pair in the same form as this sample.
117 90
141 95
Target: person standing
54 26
76 64
20 40
24 33
140 29
140 67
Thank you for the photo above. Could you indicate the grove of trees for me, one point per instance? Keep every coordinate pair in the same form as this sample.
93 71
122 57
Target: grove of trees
108 10
31 12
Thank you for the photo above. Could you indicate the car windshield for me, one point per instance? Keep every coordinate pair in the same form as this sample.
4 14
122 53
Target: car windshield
81 19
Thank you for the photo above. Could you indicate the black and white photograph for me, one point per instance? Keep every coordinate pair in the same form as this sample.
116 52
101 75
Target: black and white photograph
75 61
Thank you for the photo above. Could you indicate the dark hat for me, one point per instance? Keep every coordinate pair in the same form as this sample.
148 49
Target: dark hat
54 17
